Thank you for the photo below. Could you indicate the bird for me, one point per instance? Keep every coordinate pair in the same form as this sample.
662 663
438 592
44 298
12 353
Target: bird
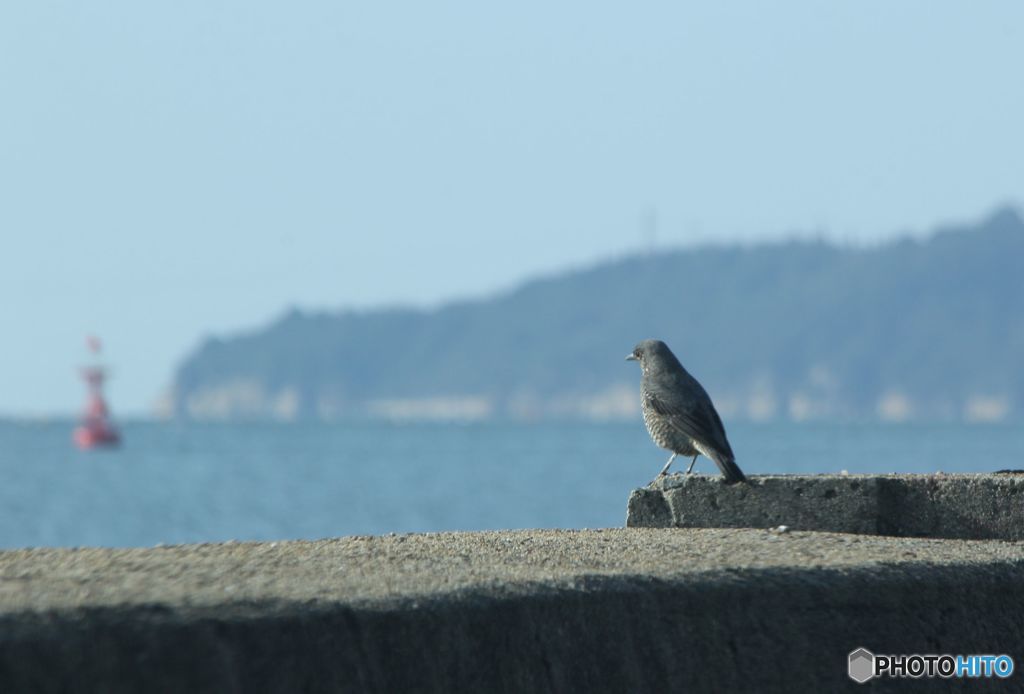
678 412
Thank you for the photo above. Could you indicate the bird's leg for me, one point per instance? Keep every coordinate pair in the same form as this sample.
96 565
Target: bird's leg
665 469
689 469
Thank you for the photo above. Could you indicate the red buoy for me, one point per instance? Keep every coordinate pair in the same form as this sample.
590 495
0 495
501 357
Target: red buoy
95 427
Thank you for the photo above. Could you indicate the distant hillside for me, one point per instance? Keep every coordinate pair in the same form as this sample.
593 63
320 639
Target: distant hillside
931 329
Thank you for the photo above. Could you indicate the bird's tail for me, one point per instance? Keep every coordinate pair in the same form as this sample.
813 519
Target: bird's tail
731 473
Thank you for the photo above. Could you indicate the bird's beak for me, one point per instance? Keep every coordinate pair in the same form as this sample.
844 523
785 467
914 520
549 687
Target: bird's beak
631 357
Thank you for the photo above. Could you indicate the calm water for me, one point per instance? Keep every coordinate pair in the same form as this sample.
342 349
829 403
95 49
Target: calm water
174 483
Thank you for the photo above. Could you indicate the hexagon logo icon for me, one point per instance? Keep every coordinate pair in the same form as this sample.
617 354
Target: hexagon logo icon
862 665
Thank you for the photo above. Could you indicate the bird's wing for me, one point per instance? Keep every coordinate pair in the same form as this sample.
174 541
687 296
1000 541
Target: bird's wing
695 419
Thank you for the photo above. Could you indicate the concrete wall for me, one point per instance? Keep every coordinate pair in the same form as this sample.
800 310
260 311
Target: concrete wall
951 506
628 610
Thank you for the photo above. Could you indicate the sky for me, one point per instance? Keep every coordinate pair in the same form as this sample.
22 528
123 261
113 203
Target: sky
170 171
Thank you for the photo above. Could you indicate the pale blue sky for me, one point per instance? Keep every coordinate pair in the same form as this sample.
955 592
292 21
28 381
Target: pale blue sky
170 170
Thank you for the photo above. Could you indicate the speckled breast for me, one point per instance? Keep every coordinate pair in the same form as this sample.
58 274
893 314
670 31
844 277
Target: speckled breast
662 432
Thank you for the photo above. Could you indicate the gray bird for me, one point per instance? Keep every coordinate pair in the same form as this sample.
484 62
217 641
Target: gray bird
678 412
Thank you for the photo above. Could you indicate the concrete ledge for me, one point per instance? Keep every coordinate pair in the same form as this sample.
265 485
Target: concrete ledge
951 506
638 610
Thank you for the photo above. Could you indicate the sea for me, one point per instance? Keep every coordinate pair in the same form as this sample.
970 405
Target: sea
184 482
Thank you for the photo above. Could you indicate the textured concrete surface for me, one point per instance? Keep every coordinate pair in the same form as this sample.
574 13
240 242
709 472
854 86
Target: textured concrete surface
989 506
638 610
